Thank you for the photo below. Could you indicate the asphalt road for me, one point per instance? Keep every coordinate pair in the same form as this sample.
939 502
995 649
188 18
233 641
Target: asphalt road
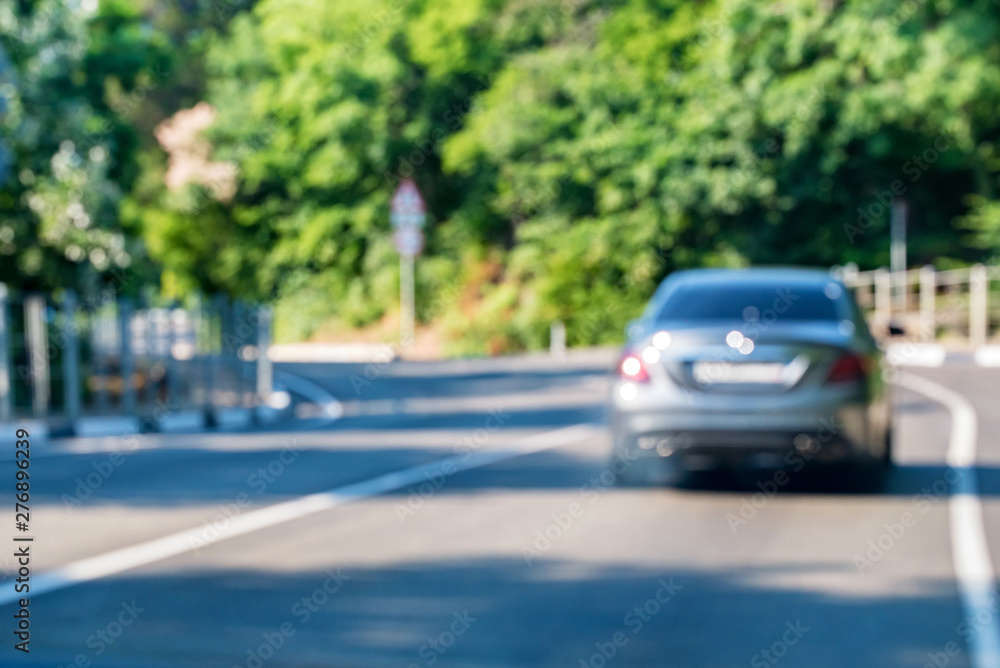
515 551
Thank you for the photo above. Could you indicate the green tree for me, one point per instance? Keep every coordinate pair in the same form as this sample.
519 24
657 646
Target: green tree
69 152
573 153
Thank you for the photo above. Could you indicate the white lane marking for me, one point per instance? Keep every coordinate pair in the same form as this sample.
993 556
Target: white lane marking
973 567
988 356
332 408
915 354
178 543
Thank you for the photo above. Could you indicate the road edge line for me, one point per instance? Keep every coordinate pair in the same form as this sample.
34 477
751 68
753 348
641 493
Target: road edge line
970 552
333 409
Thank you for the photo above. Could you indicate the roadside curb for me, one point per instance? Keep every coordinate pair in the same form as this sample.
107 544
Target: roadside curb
190 421
38 431
914 354
196 420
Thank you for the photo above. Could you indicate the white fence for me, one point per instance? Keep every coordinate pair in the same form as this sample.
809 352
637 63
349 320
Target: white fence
958 306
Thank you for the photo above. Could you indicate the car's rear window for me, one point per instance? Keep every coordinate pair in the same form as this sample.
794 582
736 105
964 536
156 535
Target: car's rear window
748 302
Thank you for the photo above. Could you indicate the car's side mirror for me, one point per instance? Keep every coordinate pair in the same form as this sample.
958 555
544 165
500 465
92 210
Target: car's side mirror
895 329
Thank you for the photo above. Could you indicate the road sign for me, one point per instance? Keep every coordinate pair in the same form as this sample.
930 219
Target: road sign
408 213
407 206
408 240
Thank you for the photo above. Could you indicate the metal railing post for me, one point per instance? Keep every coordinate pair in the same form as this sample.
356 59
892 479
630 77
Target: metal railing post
172 363
928 287
216 334
849 275
206 332
883 297
978 305
102 335
265 371
126 362
71 357
242 337
38 354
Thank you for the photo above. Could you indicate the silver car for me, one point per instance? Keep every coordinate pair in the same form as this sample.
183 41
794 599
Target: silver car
751 369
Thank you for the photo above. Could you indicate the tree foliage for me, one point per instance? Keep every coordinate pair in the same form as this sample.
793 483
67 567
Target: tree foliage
82 85
572 152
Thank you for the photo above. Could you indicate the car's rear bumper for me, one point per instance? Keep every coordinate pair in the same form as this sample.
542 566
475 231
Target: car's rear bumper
694 450
793 439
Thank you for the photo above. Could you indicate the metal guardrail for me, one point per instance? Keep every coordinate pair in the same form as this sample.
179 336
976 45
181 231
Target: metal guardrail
60 358
958 305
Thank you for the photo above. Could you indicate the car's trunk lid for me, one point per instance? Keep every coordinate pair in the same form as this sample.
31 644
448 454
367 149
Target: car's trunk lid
730 359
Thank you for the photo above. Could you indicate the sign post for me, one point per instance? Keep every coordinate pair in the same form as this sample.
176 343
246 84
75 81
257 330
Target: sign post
897 251
408 214
407 303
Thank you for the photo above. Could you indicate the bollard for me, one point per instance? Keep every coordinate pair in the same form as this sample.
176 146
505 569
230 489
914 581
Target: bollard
557 339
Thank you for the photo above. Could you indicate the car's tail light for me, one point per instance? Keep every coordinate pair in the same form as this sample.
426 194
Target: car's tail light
848 368
632 368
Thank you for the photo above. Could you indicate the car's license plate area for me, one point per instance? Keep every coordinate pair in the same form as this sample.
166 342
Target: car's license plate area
710 373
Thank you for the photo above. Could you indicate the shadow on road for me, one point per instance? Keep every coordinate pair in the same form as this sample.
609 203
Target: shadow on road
929 480
498 612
